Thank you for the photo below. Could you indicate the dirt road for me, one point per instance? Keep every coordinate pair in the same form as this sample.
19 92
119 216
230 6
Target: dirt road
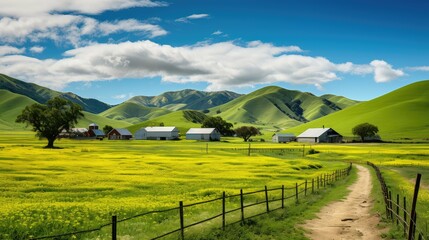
350 218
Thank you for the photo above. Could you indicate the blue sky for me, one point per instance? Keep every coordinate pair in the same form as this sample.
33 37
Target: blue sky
115 49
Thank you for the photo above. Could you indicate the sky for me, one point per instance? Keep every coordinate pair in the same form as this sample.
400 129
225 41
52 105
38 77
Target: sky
113 50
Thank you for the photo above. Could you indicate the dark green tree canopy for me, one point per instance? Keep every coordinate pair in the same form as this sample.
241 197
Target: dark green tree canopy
365 130
246 132
107 129
221 125
50 120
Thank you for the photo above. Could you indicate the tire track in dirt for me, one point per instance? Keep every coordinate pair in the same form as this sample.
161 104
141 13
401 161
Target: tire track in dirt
349 218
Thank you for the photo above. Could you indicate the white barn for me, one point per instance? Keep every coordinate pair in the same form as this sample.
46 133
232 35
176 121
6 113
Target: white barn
319 135
283 137
205 134
157 133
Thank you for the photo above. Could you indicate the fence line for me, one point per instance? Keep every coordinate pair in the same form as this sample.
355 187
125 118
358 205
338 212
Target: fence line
320 182
394 208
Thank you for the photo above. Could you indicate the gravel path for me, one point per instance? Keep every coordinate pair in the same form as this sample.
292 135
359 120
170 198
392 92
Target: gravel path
349 218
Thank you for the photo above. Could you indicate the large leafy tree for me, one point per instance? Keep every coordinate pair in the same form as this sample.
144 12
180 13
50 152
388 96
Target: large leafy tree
365 130
224 127
246 132
50 120
107 129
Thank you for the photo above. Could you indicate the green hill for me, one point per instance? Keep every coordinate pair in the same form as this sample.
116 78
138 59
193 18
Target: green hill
133 112
42 95
183 120
403 113
12 104
186 99
278 107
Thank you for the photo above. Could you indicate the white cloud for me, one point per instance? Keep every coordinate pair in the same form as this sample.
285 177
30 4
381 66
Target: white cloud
218 32
31 8
68 28
419 68
37 49
223 65
192 17
6 50
123 96
383 72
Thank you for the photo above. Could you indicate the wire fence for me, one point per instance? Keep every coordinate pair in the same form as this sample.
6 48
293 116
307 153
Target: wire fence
397 211
241 207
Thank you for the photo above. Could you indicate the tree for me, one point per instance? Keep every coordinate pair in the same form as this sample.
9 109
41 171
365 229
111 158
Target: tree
246 132
221 125
50 120
365 130
107 129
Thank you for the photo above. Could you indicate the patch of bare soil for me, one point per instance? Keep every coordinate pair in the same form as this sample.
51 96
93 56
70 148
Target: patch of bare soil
350 218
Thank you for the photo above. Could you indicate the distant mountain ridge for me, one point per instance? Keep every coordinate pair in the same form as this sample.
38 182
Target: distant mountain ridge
186 99
280 107
42 94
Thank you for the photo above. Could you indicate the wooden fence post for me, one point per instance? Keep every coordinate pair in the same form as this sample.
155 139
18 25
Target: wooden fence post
312 186
397 209
296 191
413 207
405 216
305 189
223 211
242 205
391 206
283 196
182 221
248 153
266 199
114 227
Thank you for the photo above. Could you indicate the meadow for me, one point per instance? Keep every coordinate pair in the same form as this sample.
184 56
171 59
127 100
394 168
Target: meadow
81 185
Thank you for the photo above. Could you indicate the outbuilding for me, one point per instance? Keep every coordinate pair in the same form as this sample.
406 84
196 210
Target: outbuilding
283 137
320 135
204 134
119 134
157 133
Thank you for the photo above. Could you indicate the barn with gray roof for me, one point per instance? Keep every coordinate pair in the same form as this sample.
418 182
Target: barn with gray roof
320 135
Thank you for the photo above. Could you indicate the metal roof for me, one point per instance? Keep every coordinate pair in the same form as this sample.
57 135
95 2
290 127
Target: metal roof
123 131
200 130
93 125
285 134
313 132
161 129
98 132
79 130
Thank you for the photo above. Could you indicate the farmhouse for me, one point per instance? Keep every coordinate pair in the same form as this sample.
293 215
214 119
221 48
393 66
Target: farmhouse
95 132
157 133
205 134
283 137
119 134
319 135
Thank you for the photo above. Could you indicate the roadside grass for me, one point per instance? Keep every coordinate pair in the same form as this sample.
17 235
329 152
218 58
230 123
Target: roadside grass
284 223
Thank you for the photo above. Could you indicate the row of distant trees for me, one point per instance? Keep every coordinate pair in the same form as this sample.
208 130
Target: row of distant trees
59 114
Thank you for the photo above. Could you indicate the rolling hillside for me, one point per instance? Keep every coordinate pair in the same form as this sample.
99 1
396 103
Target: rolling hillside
279 108
133 112
183 120
12 104
42 95
186 99
403 113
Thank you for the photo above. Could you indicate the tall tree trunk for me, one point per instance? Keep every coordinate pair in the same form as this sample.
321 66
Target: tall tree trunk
50 143
363 138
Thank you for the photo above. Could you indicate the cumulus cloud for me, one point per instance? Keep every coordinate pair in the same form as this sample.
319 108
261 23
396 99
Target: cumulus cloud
6 50
218 32
30 8
37 49
192 17
384 72
223 65
68 28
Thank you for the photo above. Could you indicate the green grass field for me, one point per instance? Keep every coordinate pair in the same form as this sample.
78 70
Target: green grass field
83 184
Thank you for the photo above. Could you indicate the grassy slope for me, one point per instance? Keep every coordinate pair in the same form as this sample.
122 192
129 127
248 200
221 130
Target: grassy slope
12 104
402 113
269 106
176 119
133 112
